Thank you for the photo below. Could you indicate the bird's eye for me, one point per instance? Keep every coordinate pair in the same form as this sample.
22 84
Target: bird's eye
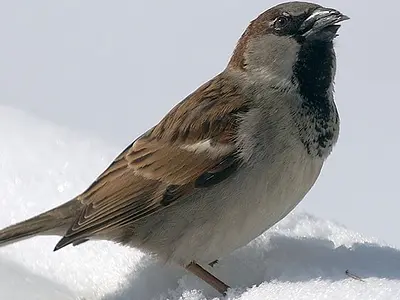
281 22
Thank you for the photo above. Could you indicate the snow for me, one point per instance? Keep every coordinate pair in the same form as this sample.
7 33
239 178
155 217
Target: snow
303 257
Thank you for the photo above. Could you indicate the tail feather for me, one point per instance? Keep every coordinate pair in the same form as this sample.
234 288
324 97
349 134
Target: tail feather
53 222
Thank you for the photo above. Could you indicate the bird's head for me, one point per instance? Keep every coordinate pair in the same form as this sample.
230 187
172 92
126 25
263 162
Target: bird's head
288 41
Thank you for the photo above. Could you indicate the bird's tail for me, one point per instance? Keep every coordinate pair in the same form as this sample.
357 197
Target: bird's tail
53 222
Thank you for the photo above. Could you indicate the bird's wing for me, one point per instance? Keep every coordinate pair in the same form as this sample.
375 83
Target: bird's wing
192 147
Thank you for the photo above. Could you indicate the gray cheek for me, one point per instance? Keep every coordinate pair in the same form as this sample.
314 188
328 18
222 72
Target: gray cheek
273 55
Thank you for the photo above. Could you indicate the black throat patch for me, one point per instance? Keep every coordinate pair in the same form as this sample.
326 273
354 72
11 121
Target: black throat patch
313 72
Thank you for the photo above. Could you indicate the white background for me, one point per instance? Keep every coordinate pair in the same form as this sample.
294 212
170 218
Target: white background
112 69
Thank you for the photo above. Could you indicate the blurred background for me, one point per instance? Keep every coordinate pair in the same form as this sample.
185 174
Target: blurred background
112 69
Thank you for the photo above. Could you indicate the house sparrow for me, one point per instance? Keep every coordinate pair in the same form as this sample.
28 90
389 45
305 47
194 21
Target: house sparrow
226 163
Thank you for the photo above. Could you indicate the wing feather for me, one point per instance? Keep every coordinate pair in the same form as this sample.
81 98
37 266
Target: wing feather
192 147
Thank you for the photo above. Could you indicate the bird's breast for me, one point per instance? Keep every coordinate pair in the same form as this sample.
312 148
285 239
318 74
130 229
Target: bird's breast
318 132
275 187
252 202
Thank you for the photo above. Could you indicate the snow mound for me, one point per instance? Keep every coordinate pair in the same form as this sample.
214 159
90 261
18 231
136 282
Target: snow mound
303 257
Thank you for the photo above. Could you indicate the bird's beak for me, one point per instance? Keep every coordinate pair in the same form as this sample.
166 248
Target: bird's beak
323 23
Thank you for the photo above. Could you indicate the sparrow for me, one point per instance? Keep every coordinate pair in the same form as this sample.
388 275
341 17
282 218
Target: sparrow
226 163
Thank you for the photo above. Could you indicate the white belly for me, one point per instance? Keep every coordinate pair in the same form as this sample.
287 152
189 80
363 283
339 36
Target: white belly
211 225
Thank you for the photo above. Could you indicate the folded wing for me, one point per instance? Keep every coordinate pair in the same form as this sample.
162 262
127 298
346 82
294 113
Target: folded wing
193 147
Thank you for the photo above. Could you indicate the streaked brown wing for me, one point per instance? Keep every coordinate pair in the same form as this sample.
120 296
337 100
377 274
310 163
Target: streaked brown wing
192 147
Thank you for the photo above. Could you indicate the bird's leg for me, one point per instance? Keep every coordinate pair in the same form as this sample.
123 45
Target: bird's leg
207 277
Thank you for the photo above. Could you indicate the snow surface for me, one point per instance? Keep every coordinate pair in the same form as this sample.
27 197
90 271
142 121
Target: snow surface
303 257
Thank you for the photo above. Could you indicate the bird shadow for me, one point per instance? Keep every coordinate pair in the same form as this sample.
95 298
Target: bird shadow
282 259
